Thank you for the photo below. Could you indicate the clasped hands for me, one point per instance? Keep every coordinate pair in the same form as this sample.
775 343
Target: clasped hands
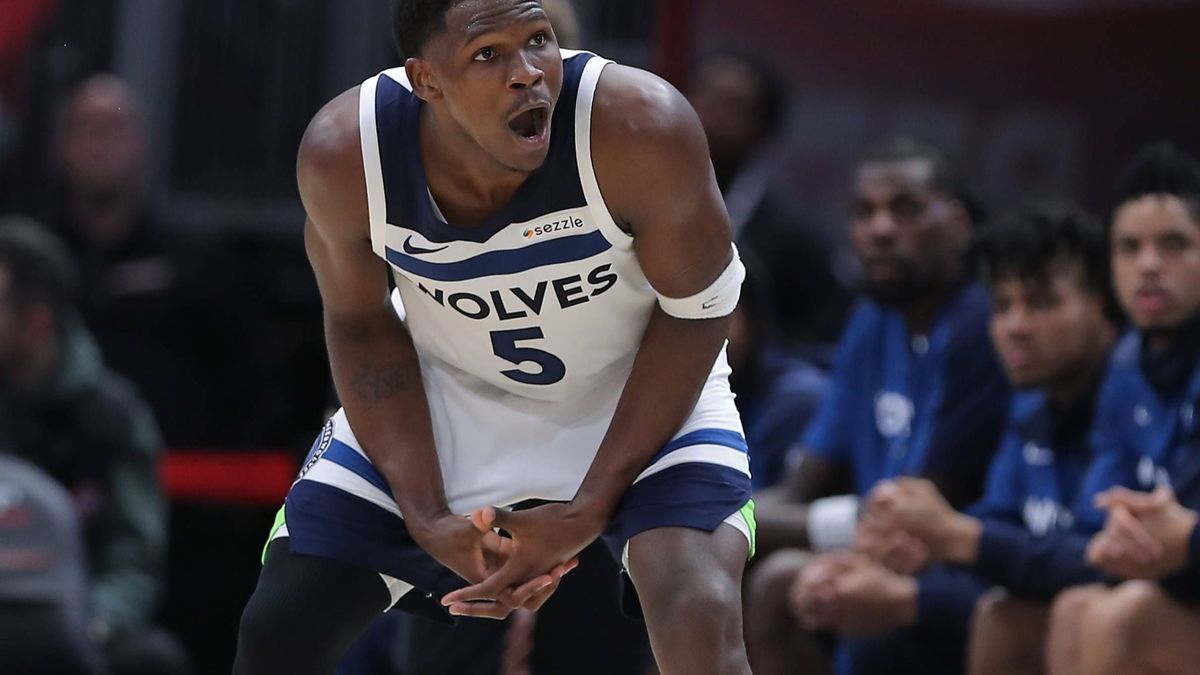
1145 536
506 573
870 590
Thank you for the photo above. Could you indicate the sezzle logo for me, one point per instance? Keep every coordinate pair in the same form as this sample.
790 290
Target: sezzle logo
567 223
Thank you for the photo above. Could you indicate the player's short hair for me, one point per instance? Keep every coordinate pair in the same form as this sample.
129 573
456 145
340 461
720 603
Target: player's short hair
946 176
415 21
1161 169
38 265
1026 245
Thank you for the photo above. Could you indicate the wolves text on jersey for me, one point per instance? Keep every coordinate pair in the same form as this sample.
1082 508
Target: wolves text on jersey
518 302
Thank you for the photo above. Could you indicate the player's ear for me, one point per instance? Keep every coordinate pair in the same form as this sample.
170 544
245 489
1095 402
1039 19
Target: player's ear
420 76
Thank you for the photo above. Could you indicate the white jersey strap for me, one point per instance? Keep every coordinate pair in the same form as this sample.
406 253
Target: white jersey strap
372 165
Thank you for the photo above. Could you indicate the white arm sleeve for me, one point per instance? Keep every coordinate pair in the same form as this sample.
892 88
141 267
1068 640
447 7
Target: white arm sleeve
832 522
716 301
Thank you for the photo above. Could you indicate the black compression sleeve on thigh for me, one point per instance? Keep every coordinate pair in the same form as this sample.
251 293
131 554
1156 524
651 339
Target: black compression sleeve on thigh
305 613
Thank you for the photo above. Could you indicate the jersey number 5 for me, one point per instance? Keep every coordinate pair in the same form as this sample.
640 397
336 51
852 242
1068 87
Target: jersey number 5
504 344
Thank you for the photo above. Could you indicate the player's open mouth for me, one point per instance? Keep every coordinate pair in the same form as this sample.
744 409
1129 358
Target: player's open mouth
531 125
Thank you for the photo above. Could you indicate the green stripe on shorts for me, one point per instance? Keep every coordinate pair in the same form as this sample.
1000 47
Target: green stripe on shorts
279 523
747 512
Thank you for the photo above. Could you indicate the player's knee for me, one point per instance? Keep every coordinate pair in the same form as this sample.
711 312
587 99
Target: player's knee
996 613
1005 636
1069 607
712 596
988 618
1124 614
991 606
1066 615
710 600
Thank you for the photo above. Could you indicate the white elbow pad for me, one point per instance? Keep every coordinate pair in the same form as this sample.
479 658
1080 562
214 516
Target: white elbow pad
832 522
716 301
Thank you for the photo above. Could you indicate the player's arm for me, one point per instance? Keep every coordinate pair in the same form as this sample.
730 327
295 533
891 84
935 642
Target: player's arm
375 367
651 161
782 511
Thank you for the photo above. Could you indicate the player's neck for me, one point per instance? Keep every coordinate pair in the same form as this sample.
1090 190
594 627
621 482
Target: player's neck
468 184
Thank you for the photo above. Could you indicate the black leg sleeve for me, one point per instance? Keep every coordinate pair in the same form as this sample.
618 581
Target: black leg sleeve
305 613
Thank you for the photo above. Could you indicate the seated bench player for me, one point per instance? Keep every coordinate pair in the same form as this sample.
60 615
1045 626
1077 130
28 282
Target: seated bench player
916 387
1054 326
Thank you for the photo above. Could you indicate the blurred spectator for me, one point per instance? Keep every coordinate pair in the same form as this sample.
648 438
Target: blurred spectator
45 46
777 390
915 359
157 301
43 597
62 410
1146 438
1053 325
742 105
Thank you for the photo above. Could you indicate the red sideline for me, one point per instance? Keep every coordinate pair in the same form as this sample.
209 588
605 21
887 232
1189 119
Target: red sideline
255 478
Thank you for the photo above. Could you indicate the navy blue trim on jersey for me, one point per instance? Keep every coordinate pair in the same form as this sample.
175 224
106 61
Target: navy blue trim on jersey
723 437
554 187
346 457
510 261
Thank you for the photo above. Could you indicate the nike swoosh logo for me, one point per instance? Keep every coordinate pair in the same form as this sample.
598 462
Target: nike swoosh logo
416 250
709 304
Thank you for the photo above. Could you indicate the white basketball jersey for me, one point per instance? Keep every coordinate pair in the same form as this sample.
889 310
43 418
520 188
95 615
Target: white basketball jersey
526 326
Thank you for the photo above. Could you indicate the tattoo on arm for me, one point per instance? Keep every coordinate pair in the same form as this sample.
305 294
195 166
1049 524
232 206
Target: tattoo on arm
374 384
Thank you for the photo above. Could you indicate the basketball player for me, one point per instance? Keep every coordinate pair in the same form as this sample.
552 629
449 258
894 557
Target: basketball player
563 260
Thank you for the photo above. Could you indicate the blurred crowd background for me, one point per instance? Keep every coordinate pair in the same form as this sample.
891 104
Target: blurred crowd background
186 376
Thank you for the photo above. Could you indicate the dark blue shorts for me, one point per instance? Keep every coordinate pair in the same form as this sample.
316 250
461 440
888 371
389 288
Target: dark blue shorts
677 490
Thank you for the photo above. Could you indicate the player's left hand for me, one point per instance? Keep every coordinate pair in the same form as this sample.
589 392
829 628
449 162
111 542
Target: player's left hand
543 538
1145 536
897 550
913 505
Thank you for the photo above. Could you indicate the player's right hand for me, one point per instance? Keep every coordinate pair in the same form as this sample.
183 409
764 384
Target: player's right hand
474 552
541 536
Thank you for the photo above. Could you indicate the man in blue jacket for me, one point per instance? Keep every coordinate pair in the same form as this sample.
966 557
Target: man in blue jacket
1053 327
1147 434
916 387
